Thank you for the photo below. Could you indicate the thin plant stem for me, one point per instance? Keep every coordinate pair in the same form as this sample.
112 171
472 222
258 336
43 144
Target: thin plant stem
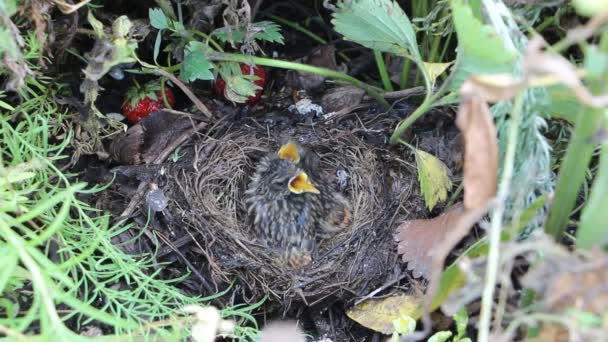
215 44
429 101
374 92
386 81
297 27
497 217
305 31
405 73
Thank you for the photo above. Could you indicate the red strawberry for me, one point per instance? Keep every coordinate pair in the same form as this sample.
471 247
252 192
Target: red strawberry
220 84
140 102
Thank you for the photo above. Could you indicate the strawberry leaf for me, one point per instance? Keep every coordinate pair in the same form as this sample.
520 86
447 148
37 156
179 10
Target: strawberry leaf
196 66
239 87
158 19
379 25
493 56
263 30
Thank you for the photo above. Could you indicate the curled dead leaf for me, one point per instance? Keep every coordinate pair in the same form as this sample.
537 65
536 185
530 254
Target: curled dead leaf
480 148
417 238
145 141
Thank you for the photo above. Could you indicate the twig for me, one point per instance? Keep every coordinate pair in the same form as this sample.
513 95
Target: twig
581 33
399 94
67 8
381 288
497 216
199 105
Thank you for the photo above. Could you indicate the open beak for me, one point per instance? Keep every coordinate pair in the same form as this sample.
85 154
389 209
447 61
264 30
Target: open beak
289 152
300 183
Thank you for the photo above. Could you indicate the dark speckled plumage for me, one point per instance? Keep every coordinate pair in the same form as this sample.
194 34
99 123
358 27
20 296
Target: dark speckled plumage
285 220
336 214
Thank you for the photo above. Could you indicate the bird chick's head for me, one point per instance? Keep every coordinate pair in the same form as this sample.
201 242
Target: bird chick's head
280 177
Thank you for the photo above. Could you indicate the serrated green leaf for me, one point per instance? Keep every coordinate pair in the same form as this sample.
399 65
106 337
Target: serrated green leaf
434 179
268 31
377 24
239 87
480 48
158 19
263 30
196 66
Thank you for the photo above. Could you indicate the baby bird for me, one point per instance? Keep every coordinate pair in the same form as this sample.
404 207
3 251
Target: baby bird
284 205
336 212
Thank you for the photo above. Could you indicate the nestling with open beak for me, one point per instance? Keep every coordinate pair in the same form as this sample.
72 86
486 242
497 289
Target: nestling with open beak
336 212
282 202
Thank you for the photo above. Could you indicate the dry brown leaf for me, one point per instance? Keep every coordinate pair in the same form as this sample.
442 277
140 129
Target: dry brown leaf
480 147
417 238
567 280
339 98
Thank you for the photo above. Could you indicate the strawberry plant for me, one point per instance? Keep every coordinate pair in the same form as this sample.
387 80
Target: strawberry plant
258 77
141 101
233 80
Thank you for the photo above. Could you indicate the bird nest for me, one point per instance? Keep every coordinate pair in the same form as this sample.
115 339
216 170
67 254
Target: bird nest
208 201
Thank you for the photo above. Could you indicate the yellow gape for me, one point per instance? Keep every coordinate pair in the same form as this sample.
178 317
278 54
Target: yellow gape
300 183
289 152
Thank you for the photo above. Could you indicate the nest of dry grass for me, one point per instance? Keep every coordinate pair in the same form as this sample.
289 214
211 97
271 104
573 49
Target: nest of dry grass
208 202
